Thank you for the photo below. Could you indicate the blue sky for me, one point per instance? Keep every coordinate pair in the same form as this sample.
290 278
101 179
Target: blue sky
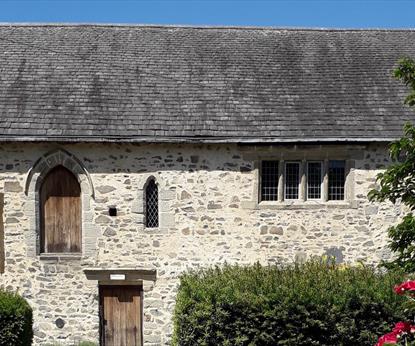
280 13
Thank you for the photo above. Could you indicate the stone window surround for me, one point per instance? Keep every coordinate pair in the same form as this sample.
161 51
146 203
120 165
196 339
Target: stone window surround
304 154
33 183
165 200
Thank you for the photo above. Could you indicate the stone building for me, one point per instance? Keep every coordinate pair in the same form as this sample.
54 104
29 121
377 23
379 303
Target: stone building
130 154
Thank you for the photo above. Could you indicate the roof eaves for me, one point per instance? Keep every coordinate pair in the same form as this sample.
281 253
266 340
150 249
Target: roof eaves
181 139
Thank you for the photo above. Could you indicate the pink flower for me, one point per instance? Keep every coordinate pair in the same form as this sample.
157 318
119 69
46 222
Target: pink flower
390 338
404 287
402 327
398 330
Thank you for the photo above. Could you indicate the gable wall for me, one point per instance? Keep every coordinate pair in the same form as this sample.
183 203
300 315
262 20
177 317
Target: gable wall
207 217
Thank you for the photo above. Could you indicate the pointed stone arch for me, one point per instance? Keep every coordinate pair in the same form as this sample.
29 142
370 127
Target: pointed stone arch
35 177
55 158
149 179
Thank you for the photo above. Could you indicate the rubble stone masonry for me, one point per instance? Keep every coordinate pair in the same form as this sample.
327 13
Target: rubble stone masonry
209 214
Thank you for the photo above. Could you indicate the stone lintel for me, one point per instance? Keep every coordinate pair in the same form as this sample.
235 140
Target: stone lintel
131 275
300 151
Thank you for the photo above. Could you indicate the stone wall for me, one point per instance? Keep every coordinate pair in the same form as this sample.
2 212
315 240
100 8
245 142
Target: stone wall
208 215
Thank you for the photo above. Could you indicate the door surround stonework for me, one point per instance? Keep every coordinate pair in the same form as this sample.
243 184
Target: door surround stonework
145 278
35 176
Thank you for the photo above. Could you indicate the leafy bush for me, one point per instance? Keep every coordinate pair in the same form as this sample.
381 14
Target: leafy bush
315 303
396 182
15 320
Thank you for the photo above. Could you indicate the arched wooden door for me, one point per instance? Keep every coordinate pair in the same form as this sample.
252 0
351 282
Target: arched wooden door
60 212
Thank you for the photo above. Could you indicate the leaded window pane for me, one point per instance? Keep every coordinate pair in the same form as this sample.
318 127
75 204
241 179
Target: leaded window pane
314 179
152 205
269 181
292 180
337 179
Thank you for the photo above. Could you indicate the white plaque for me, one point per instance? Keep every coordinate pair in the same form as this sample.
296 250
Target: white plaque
117 276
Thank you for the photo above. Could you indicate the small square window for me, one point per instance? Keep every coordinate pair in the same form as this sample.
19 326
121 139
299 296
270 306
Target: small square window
314 180
292 180
337 179
269 181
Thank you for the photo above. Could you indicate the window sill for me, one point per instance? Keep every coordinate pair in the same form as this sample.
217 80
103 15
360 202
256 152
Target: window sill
298 205
60 256
155 230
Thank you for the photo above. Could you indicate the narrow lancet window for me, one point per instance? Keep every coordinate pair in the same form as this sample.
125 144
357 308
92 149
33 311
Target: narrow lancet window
152 205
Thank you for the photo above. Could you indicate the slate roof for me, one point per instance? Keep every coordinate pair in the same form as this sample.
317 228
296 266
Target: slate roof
203 84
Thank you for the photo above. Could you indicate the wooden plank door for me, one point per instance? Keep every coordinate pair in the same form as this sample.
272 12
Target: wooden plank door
60 200
121 310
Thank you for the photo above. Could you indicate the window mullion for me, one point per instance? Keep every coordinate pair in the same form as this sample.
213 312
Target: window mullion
348 186
303 180
281 181
325 193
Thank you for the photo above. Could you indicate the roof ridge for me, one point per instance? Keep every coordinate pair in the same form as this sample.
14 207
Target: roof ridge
203 27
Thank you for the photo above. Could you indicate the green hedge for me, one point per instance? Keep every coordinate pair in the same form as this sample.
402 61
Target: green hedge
15 320
315 303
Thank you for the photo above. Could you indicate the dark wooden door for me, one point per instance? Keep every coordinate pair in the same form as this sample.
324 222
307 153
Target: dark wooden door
121 310
60 199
